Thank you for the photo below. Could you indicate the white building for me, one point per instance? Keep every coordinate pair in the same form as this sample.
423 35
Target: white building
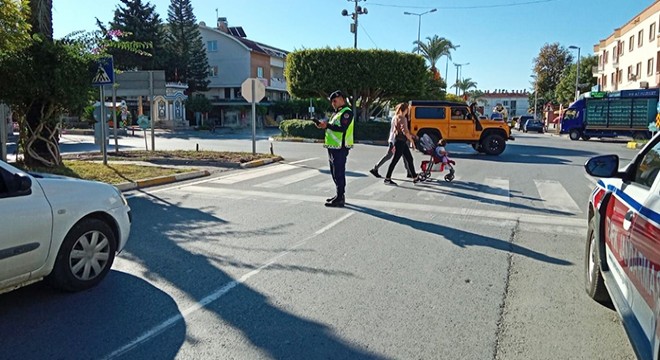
515 101
630 57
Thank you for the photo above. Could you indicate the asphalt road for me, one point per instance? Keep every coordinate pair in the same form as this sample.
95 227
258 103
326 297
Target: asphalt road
249 264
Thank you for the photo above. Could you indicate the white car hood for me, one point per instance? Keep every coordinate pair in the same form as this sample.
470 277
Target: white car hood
66 192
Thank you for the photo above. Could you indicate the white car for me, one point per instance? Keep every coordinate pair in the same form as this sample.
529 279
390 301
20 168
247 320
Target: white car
63 229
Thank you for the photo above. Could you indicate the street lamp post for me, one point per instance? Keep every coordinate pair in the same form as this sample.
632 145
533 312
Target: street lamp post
459 66
577 72
536 93
419 23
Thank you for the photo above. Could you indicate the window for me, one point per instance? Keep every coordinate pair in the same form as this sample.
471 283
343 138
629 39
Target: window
212 46
640 38
630 72
260 72
604 80
430 113
649 67
213 71
606 56
459 113
649 167
622 47
237 93
631 43
638 70
620 76
614 53
513 105
612 79
652 32
227 93
505 102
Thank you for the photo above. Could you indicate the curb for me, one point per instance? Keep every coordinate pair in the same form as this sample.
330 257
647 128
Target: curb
319 141
261 162
161 180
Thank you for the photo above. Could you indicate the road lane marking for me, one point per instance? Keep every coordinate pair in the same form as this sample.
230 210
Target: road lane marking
153 332
378 188
253 174
555 197
472 214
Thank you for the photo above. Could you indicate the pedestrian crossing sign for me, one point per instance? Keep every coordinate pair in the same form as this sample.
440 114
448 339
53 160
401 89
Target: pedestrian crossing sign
104 73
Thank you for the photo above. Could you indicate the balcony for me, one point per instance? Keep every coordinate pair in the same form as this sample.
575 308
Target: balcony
278 83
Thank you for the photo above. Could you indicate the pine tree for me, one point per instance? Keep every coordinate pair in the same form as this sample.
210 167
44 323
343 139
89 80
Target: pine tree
143 24
188 62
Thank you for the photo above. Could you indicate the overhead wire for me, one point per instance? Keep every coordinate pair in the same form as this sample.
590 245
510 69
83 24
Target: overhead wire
465 7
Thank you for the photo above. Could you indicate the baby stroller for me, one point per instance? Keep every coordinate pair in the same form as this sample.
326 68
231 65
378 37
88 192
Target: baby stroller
428 147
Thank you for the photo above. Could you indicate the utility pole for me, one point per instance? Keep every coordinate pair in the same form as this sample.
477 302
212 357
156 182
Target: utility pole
577 72
359 10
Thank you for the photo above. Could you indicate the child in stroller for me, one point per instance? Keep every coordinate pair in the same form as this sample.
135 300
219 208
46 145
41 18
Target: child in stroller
438 155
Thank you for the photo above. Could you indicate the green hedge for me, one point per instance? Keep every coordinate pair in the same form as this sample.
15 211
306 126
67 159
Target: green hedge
363 130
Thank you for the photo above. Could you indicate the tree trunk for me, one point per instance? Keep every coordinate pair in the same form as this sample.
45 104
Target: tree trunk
41 140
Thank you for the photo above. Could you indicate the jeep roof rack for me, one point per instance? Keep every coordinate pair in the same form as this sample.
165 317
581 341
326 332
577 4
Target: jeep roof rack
436 103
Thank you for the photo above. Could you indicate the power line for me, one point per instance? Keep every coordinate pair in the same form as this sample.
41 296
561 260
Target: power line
467 7
369 36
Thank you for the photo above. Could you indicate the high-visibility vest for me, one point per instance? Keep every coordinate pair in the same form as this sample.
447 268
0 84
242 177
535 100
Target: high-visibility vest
333 139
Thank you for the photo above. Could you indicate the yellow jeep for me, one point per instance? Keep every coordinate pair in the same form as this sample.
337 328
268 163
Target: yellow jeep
458 123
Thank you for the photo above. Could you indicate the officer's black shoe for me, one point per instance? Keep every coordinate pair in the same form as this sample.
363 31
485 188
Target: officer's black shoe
331 199
340 201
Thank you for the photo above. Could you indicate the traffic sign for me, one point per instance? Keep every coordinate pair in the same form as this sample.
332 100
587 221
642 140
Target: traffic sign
259 90
105 74
657 120
143 122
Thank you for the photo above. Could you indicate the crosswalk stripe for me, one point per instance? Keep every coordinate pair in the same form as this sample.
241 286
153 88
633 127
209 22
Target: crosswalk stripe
291 179
328 185
435 191
253 174
555 197
377 188
496 190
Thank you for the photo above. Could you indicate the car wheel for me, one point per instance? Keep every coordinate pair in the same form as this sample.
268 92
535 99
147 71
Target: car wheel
585 137
595 285
574 134
493 144
85 256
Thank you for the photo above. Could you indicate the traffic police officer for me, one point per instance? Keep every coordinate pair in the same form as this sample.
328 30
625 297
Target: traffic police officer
338 141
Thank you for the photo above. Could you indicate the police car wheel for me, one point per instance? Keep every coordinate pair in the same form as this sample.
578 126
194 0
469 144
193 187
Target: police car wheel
594 283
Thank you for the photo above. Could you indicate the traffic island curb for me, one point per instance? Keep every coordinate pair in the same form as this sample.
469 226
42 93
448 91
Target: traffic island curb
260 162
161 180
632 145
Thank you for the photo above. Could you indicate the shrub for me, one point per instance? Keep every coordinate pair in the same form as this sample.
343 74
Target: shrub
307 129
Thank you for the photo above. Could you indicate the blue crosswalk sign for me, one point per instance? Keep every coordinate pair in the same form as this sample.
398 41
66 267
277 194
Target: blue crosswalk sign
104 74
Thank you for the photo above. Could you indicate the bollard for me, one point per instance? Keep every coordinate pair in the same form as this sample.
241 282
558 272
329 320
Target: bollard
271 149
197 147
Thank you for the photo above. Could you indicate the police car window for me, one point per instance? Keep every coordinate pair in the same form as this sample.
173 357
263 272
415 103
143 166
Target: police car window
649 167
430 113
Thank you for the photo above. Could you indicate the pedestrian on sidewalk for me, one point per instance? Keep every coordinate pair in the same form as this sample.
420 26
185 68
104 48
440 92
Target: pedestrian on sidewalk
338 141
390 153
401 139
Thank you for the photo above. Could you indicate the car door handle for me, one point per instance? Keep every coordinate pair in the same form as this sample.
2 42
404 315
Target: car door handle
627 220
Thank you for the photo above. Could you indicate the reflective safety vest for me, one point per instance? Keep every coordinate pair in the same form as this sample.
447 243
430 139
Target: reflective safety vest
333 138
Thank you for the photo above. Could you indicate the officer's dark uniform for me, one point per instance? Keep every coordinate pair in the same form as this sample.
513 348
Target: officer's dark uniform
338 141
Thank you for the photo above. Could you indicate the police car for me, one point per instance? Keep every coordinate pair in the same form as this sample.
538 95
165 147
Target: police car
622 260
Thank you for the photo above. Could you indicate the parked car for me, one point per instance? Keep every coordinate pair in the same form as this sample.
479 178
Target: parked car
62 229
520 125
622 256
534 125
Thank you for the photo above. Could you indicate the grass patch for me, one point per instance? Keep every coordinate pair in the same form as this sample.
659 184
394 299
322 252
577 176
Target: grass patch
111 173
141 155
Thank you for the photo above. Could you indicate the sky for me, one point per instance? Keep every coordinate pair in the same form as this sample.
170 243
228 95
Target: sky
498 38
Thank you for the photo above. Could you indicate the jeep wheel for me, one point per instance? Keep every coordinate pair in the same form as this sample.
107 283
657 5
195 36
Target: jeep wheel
575 134
593 277
493 144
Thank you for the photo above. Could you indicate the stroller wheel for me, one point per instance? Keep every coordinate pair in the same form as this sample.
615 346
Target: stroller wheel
449 177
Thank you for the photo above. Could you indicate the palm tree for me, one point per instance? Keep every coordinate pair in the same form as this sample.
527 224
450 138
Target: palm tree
465 85
434 49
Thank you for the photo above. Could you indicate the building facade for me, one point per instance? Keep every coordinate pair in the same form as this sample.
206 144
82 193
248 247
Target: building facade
515 101
630 57
233 58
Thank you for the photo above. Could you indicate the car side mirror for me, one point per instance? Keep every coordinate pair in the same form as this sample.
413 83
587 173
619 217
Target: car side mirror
21 185
602 166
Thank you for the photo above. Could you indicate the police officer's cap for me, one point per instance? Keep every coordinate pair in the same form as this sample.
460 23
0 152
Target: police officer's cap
336 94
